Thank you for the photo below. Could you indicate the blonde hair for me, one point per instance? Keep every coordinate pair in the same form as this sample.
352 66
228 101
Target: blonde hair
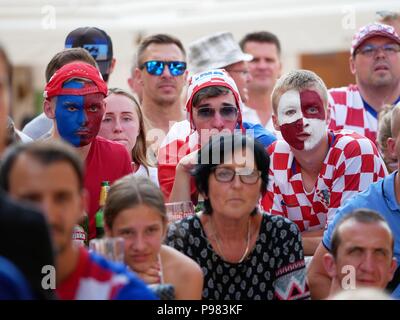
298 80
139 151
394 126
384 126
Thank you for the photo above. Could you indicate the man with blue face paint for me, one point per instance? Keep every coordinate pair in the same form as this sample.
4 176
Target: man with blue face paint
74 100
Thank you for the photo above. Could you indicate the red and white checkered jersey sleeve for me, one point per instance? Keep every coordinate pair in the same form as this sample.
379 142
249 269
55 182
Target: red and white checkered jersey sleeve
271 202
356 164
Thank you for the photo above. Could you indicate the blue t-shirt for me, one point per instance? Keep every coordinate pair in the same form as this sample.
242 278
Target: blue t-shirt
380 197
261 134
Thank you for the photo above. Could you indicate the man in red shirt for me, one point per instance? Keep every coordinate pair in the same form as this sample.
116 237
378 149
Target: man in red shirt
74 100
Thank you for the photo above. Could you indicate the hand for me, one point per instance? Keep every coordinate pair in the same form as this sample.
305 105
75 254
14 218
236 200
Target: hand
188 162
152 275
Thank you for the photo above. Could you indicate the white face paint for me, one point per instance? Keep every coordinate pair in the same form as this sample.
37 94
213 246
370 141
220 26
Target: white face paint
317 130
289 107
302 122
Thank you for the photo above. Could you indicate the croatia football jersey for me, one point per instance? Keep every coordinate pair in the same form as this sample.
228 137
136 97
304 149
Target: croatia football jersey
351 165
349 111
96 278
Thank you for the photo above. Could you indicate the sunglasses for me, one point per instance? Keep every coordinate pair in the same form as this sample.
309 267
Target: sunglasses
227 113
156 67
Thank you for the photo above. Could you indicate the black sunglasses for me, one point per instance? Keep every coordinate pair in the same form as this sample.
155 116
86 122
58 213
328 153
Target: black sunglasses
156 67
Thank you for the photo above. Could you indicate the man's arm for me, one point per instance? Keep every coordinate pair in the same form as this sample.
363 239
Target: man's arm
311 240
318 279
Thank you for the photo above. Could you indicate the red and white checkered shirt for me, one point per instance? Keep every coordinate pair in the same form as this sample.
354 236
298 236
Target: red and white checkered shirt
349 111
351 165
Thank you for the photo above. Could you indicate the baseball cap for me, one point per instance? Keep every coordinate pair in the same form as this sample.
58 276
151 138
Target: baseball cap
214 52
71 71
373 30
96 41
211 78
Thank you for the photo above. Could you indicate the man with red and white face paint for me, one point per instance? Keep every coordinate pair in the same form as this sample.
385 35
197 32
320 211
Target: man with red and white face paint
314 170
74 100
301 117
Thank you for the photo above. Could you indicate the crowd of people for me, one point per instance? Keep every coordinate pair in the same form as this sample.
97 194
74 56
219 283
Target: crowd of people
294 186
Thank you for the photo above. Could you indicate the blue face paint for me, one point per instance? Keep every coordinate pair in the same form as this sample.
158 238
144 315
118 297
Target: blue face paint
78 118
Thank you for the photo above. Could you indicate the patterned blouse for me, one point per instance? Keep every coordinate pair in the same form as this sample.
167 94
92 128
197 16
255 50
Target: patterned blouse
274 269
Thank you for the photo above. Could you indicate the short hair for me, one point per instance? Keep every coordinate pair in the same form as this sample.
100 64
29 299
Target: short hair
394 127
361 216
157 39
6 61
139 151
261 36
12 136
134 63
225 145
67 56
298 80
129 192
209 92
384 126
46 152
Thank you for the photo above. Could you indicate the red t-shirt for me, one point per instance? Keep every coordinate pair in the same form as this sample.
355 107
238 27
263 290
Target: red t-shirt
106 161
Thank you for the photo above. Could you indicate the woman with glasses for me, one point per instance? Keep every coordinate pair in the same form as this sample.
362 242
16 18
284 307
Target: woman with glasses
244 252
135 211
123 122
213 106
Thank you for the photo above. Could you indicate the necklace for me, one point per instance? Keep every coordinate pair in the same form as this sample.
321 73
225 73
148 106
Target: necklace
247 243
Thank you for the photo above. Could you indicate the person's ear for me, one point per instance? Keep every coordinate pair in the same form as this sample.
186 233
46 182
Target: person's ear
112 66
352 66
165 228
329 264
275 122
138 76
328 114
107 231
391 147
49 108
393 268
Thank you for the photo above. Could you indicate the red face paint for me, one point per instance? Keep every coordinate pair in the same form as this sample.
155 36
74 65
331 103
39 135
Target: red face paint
311 105
93 110
291 133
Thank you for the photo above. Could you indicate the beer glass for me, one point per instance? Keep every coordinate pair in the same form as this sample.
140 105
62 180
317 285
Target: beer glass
179 210
110 248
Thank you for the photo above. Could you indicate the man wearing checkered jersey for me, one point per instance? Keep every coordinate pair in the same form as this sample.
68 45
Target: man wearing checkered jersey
375 63
314 170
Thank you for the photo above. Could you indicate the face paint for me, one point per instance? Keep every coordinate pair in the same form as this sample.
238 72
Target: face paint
301 117
78 118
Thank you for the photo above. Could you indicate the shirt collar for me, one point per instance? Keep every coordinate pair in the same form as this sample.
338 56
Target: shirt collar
389 192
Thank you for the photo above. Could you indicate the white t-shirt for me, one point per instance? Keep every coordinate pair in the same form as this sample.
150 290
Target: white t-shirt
153 173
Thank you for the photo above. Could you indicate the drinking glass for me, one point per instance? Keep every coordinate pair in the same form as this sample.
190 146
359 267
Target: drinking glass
179 210
110 248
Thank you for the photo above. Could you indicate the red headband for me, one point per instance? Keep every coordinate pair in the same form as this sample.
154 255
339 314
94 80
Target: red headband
75 70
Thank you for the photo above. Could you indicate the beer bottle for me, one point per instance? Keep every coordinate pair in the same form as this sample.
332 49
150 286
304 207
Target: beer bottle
105 186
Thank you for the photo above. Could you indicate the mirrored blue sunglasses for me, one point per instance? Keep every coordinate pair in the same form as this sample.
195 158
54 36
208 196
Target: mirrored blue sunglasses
156 67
